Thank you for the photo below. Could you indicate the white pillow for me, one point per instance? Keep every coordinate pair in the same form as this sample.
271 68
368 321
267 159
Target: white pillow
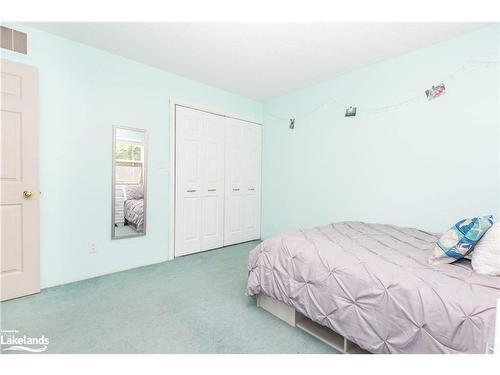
486 255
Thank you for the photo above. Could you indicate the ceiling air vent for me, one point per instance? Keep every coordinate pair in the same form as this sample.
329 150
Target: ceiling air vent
14 40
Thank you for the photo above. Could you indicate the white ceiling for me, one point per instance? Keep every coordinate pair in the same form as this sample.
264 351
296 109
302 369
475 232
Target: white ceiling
258 60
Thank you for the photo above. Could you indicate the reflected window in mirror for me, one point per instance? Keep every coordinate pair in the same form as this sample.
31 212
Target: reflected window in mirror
129 182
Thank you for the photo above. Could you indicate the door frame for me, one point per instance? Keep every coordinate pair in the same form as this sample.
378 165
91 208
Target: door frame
183 103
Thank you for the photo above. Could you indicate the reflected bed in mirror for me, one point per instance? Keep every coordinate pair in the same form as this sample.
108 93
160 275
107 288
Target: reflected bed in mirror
129 191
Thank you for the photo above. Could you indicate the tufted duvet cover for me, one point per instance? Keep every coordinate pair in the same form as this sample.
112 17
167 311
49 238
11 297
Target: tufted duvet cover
372 284
134 213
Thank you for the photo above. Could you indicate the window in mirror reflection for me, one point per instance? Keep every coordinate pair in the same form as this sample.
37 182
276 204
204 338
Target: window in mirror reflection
129 217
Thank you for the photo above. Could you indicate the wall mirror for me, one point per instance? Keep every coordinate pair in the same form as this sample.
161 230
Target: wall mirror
129 191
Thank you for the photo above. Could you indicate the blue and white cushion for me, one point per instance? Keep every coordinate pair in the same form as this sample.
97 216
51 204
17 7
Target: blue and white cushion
459 240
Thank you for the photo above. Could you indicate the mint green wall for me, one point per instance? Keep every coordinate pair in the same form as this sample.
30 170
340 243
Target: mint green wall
427 164
83 92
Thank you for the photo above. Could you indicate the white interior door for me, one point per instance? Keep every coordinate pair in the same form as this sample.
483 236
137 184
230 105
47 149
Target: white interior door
243 179
19 205
199 205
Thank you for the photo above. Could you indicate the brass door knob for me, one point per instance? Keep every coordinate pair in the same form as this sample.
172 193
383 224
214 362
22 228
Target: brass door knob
27 194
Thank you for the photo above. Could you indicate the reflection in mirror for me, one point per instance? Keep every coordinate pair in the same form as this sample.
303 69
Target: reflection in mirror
129 182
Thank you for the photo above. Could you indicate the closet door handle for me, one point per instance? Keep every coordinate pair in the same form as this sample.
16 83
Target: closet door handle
212 189
251 189
236 189
191 191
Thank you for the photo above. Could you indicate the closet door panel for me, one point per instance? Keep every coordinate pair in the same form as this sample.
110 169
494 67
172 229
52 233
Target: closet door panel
234 154
190 224
199 181
250 218
188 182
235 217
213 182
243 155
252 180
234 161
190 159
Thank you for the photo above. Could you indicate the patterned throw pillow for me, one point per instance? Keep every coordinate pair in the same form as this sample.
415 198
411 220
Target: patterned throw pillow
460 239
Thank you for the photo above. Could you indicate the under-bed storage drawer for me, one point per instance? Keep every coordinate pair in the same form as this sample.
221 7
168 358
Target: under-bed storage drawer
296 319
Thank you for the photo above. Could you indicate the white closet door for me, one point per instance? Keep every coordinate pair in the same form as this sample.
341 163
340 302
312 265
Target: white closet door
252 181
212 162
242 207
234 179
199 187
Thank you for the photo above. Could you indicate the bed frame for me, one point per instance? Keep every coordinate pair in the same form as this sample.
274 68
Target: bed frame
338 342
289 315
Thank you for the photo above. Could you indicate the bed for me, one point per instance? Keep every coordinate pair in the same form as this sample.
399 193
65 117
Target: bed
372 284
133 207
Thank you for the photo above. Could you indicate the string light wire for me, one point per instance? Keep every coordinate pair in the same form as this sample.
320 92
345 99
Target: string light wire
395 106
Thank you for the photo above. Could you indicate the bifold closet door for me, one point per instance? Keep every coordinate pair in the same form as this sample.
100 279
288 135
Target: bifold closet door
252 146
242 180
199 186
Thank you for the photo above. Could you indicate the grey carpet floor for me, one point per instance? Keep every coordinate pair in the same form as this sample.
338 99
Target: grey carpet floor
195 304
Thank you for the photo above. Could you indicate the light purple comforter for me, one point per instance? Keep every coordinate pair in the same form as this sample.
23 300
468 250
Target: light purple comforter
134 212
372 284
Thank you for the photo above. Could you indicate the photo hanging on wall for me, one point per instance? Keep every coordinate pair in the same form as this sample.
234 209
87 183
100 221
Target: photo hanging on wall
435 91
351 111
